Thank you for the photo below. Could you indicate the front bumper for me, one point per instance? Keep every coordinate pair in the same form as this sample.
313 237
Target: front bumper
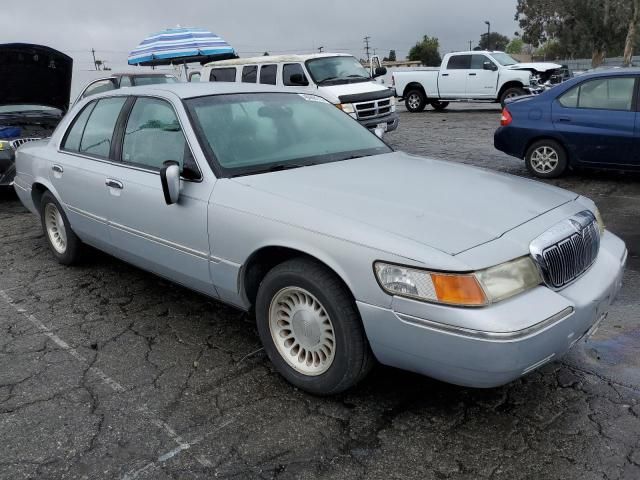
7 167
391 121
520 334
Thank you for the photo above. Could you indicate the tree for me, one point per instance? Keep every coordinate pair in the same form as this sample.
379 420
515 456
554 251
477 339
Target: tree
426 51
515 46
265 54
593 28
497 41
630 41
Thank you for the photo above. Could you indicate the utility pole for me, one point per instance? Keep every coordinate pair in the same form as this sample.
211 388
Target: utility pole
93 52
320 49
470 42
488 34
366 47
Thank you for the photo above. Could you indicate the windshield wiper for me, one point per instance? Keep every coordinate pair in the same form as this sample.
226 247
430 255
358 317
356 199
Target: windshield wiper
285 166
329 79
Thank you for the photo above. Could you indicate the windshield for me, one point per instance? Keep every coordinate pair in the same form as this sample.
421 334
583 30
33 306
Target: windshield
29 108
504 59
140 80
246 134
337 70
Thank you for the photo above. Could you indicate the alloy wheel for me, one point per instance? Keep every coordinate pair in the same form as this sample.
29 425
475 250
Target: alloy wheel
55 228
544 159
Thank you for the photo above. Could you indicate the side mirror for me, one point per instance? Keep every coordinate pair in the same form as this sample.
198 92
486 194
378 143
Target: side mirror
490 66
380 71
170 179
299 79
379 132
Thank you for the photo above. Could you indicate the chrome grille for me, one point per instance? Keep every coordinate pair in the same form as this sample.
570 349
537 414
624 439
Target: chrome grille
567 250
21 141
373 109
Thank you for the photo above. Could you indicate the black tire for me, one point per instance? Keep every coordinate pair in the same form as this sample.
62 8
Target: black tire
511 93
352 357
72 244
551 169
415 100
439 106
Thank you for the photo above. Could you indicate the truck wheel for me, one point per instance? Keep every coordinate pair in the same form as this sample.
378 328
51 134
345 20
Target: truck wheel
546 159
62 241
415 101
311 329
512 92
439 106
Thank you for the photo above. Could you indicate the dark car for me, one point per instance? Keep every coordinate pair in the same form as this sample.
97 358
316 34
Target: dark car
35 85
121 80
588 121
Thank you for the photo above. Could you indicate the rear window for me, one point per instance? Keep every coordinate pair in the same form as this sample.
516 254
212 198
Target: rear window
223 75
459 62
250 74
268 74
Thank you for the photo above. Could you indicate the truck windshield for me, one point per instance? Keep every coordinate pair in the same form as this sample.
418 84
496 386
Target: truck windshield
251 133
504 59
337 70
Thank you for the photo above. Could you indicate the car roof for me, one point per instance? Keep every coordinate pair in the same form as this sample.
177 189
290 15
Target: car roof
198 89
611 71
274 59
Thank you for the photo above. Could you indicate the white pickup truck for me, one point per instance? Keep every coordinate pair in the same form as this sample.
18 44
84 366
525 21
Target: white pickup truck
472 77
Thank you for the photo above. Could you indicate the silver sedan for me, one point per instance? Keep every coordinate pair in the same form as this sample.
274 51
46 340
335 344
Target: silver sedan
277 202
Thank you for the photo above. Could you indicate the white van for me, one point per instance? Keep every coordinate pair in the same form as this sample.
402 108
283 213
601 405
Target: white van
338 78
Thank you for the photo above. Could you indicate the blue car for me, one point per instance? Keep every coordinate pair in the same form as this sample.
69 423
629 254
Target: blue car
588 121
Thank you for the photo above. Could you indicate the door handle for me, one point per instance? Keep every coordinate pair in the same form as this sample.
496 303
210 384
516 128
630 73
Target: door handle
472 74
445 74
564 119
109 182
57 169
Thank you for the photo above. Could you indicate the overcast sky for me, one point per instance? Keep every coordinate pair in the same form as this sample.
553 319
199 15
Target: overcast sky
114 27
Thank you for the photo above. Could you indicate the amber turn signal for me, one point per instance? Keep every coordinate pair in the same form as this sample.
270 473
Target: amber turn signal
458 289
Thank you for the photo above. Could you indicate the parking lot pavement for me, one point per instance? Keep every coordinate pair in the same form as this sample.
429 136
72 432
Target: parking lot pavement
109 372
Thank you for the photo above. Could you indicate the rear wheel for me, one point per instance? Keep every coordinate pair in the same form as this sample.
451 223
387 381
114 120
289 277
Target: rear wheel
510 93
62 241
311 329
415 101
546 159
439 106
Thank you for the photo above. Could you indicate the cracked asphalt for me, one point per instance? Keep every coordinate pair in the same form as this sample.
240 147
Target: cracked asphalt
109 372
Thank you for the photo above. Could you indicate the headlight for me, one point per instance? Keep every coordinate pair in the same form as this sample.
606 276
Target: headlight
4 145
467 289
599 219
346 107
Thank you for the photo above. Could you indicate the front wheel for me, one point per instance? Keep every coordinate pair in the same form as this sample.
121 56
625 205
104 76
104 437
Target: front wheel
510 93
439 106
311 329
62 241
546 159
415 101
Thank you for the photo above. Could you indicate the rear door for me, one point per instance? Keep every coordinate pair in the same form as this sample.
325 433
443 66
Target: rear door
79 169
452 82
481 82
597 121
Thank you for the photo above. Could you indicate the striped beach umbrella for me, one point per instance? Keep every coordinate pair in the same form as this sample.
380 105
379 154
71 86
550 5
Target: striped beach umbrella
181 45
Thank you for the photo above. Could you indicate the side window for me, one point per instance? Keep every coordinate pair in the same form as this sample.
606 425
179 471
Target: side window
250 74
459 62
125 81
290 69
223 75
477 62
96 139
153 135
194 77
268 74
601 94
99 87
74 134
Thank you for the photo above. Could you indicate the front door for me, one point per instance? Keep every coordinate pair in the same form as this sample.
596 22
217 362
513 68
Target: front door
452 81
170 240
597 120
79 170
482 81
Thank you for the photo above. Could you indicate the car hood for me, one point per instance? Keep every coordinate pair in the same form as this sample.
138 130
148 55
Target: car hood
538 67
34 75
445 205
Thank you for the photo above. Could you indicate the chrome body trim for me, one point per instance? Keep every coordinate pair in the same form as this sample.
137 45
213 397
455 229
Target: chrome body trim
488 336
